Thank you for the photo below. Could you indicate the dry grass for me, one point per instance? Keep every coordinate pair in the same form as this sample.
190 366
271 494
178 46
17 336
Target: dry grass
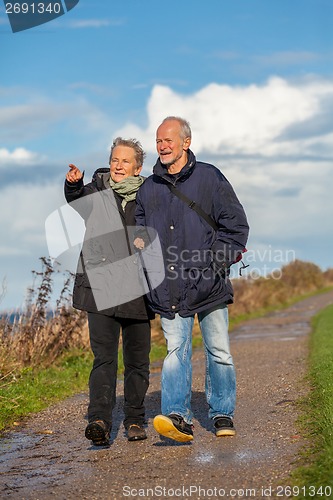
294 280
40 336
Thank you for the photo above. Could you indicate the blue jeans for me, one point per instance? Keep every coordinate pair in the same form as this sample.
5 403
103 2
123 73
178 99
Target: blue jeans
220 382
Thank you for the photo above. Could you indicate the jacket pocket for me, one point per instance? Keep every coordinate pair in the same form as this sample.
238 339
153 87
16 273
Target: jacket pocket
201 281
201 286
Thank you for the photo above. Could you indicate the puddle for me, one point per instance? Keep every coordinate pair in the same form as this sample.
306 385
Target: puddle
232 457
287 331
15 442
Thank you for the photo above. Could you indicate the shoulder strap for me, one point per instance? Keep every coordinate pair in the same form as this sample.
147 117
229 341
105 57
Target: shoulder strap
191 204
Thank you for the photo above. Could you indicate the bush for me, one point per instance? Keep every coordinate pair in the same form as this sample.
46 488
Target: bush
39 335
295 279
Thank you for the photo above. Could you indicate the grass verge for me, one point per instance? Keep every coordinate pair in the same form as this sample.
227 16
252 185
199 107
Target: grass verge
32 390
315 475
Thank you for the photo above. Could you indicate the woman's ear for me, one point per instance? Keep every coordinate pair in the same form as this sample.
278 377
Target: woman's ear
137 170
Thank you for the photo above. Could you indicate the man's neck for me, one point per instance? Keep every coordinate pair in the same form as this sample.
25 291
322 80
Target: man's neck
173 169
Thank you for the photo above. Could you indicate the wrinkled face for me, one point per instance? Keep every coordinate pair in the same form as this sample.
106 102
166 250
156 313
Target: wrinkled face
171 147
123 163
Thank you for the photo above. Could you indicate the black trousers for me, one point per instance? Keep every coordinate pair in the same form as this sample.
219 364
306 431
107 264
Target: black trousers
104 334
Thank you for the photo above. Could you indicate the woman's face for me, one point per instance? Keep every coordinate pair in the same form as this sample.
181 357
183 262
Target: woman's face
123 163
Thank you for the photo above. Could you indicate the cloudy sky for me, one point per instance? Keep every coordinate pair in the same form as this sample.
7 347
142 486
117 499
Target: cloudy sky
253 77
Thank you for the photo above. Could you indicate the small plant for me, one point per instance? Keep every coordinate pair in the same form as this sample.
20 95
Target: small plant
39 334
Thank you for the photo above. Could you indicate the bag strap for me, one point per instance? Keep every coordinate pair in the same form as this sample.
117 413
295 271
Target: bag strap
191 204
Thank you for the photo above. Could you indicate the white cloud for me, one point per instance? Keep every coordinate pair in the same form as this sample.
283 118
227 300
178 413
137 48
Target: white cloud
248 120
19 157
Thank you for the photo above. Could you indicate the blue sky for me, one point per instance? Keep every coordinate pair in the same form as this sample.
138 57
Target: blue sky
253 77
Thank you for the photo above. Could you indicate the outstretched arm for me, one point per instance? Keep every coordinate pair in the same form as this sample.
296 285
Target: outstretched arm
74 174
74 187
76 192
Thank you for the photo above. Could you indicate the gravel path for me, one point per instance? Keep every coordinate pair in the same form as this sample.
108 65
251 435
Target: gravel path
50 458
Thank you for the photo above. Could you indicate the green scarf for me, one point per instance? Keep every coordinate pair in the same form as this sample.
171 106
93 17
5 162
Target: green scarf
127 188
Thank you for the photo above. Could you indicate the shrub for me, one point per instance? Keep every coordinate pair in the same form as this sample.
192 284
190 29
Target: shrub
38 335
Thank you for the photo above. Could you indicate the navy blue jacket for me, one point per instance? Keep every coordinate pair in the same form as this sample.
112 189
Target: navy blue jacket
196 257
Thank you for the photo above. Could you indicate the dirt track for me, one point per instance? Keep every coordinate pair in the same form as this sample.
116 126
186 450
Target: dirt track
50 458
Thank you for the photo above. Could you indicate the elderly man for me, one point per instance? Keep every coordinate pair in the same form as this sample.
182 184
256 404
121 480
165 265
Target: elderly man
203 230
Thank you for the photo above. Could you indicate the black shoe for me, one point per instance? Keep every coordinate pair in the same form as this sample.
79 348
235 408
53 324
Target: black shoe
174 427
135 432
98 432
224 426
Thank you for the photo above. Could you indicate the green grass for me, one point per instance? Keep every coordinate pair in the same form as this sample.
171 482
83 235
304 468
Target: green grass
316 421
30 391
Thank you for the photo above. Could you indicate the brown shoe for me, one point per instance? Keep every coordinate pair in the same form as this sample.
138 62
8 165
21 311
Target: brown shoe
98 432
136 432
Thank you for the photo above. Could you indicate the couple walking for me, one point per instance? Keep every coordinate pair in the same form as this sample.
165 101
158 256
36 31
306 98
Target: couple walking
202 230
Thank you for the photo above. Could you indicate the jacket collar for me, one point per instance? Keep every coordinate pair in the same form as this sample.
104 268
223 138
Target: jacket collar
161 171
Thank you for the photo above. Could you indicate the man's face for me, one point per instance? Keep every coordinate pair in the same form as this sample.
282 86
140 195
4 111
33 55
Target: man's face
123 163
171 147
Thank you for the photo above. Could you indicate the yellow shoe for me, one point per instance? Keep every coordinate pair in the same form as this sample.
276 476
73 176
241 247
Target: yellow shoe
173 427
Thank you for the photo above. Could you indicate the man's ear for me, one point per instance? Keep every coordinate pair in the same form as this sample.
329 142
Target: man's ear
187 143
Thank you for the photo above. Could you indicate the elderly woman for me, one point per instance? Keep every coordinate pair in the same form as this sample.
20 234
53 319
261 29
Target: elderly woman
107 205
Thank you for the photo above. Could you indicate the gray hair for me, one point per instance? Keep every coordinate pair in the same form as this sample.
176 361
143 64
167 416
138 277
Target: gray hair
185 129
140 155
